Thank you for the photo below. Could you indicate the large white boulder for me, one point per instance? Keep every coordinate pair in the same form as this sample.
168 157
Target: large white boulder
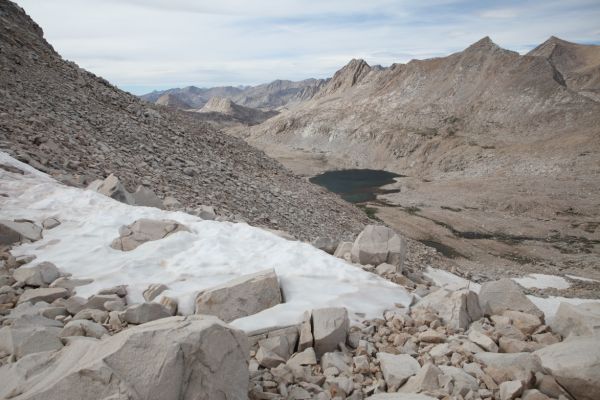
145 230
330 328
378 244
495 297
575 364
241 297
577 320
179 358
457 309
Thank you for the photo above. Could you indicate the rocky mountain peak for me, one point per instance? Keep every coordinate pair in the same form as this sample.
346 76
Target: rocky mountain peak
484 44
351 74
170 100
219 104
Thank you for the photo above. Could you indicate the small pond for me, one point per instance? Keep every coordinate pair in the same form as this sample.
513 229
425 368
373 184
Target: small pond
356 185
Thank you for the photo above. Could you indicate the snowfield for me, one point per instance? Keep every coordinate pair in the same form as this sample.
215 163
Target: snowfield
187 262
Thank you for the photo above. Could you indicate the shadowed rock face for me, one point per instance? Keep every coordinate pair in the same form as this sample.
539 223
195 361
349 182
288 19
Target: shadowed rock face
63 120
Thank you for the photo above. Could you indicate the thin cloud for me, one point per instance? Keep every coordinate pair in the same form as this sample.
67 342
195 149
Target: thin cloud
144 44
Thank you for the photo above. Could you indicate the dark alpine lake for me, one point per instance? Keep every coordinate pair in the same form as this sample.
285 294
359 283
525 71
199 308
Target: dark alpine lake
356 185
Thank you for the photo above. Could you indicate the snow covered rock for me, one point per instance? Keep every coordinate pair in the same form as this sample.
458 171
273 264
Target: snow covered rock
182 358
145 312
41 274
457 309
43 294
330 328
575 364
577 320
498 296
144 196
50 223
397 368
378 244
241 297
19 231
145 230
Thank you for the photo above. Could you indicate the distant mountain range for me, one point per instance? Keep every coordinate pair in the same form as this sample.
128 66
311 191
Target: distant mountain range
441 114
276 94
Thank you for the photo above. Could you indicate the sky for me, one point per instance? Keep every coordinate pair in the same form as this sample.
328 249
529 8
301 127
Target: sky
145 45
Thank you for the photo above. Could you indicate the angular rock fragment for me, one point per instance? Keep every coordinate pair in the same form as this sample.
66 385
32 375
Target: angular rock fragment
425 380
50 223
145 312
83 327
43 294
145 230
577 320
397 368
113 188
154 290
330 328
306 338
19 231
273 351
241 297
483 341
498 296
145 197
41 274
20 341
457 309
575 364
378 244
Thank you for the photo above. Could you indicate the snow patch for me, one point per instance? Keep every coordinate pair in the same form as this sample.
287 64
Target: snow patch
549 305
187 262
543 281
449 280
581 278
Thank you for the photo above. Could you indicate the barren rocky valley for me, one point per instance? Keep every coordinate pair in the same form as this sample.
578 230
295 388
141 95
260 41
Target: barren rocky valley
427 230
